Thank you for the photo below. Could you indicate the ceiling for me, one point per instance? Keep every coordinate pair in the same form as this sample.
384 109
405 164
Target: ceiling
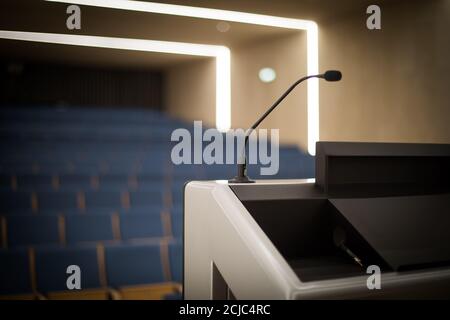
41 16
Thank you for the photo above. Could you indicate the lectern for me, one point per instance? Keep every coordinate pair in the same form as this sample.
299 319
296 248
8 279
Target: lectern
382 204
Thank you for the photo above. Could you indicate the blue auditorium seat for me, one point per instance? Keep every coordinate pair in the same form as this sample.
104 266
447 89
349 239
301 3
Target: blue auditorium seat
17 168
150 182
25 230
176 261
2 234
113 182
177 225
88 227
146 198
136 226
103 199
156 169
52 263
97 210
133 264
173 296
14 272
66 167
177 210
15 202
34 182
56 201
74 182
177 195
179 183
148 209
5 182
188 172
76 144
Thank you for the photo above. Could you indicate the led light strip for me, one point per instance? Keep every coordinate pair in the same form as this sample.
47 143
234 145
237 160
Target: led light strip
223 107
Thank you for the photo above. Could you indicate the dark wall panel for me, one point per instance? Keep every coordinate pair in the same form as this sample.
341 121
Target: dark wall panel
36 84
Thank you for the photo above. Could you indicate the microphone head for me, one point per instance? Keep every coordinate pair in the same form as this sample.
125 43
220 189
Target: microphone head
332 75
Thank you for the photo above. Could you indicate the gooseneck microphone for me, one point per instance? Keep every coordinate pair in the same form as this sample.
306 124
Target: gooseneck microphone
331 75
241 177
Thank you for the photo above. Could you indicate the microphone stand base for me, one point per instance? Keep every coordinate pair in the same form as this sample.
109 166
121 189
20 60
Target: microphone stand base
240 179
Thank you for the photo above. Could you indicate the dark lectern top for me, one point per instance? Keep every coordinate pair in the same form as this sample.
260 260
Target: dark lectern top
406 232
391 201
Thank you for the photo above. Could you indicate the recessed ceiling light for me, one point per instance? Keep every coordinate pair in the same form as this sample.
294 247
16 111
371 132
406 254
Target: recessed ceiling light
223 26
267 75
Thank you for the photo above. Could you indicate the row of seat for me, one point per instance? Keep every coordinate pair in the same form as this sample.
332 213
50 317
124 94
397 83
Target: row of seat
25 230
92 188
79 158
74 114
209 173
69 167
83 182
143 270
77 182
94 201
97 188
303 168
156 170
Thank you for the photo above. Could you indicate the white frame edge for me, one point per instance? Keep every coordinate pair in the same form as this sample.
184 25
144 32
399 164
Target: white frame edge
223 86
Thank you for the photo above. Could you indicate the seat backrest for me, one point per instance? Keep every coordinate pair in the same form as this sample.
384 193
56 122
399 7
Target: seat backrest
56 201
176 261
150 182
113 182
14 272
12 202
177 223
74 182
52 264
146 198
150 209
30 182
133 264
88 227
103 199
140 225
23 230
5 182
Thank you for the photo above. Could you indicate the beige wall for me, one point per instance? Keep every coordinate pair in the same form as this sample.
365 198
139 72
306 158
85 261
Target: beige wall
251 97
394 86
190 87
190 90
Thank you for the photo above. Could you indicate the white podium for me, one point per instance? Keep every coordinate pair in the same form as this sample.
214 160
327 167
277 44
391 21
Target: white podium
287 239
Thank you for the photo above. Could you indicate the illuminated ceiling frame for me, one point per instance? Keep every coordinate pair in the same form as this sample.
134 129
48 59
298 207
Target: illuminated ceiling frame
223 107
221 53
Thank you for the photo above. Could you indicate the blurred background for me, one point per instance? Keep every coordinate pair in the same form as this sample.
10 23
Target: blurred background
85 171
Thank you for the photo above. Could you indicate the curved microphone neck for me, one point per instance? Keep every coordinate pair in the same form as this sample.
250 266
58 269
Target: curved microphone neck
242 167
